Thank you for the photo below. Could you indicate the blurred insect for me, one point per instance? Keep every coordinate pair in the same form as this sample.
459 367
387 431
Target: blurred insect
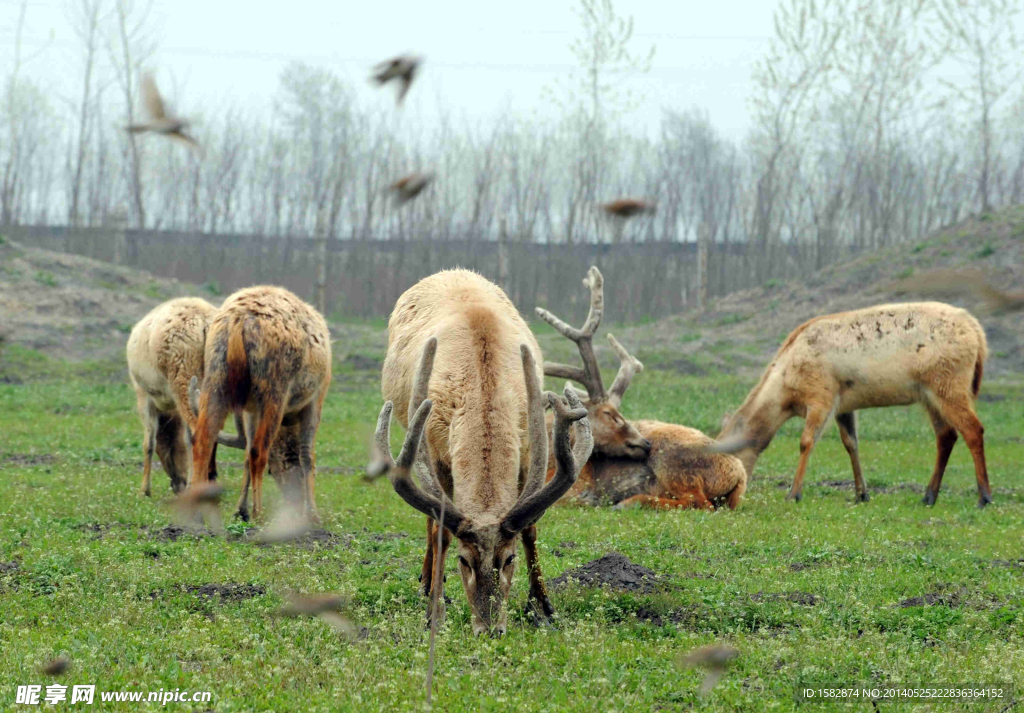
402 68
966 281
55 667
328 607
716 658
408 187
628 207
160 121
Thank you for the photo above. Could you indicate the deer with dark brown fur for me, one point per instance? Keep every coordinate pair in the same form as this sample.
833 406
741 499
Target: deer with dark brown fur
649 463
268 360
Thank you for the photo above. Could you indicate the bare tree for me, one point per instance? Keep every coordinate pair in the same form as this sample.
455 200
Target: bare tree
981 36
129 47
85 17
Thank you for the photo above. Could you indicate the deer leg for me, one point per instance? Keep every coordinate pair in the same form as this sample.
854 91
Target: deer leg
945 439
427 573
817 417
212 414
960 414
538 603
242 509
147 414
309 421
679 501
847 423
266 425
437 583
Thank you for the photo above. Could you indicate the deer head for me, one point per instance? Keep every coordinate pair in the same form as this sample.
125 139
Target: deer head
613 434
486 549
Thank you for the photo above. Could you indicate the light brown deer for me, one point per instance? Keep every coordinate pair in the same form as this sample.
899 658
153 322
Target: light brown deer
650 463
888 355
164 350
460 353
268 359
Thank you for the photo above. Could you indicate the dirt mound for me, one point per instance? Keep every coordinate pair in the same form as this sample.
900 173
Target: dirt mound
614 571
227 592
75 307
951 599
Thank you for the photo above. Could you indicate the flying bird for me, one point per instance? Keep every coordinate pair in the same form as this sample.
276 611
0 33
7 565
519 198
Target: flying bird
970 281
408 187
628 207
288 526
56 667
324 606
160 121
199 503
402 68
715 658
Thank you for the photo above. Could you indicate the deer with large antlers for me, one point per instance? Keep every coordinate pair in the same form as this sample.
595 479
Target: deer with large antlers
462 372
268 361
650 463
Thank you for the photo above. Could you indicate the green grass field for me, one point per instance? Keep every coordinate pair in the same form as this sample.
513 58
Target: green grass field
88 572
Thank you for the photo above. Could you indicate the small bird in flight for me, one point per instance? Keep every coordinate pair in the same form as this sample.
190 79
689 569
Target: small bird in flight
159 120
408 187
402 67
968 280
628 207
328 607
715 658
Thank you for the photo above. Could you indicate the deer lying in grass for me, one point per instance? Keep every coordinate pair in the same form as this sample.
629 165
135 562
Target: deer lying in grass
268 359
888 355
164 350
651 463
461 367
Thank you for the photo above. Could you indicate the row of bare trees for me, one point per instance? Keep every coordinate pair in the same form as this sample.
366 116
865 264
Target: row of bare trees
874 122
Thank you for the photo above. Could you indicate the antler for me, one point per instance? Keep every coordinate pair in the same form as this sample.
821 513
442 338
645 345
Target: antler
529 509
590 374
225 439
398 472
627 369
536 427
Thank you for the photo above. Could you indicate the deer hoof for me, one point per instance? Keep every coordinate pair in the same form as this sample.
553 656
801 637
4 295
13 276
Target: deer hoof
242 514
862 497
984 499
929 497
795 497
540 612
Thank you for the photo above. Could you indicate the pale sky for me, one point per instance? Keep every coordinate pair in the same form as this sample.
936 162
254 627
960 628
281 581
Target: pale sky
483 59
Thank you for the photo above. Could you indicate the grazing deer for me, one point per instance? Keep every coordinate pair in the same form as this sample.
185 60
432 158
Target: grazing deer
461 368
268 359
164 350
888 355
651 463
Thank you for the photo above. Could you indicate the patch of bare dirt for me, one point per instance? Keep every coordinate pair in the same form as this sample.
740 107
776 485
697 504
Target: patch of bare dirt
227 592
614 571
8 567
25 460
951 599
173 533
805 599
1018 563
74 307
